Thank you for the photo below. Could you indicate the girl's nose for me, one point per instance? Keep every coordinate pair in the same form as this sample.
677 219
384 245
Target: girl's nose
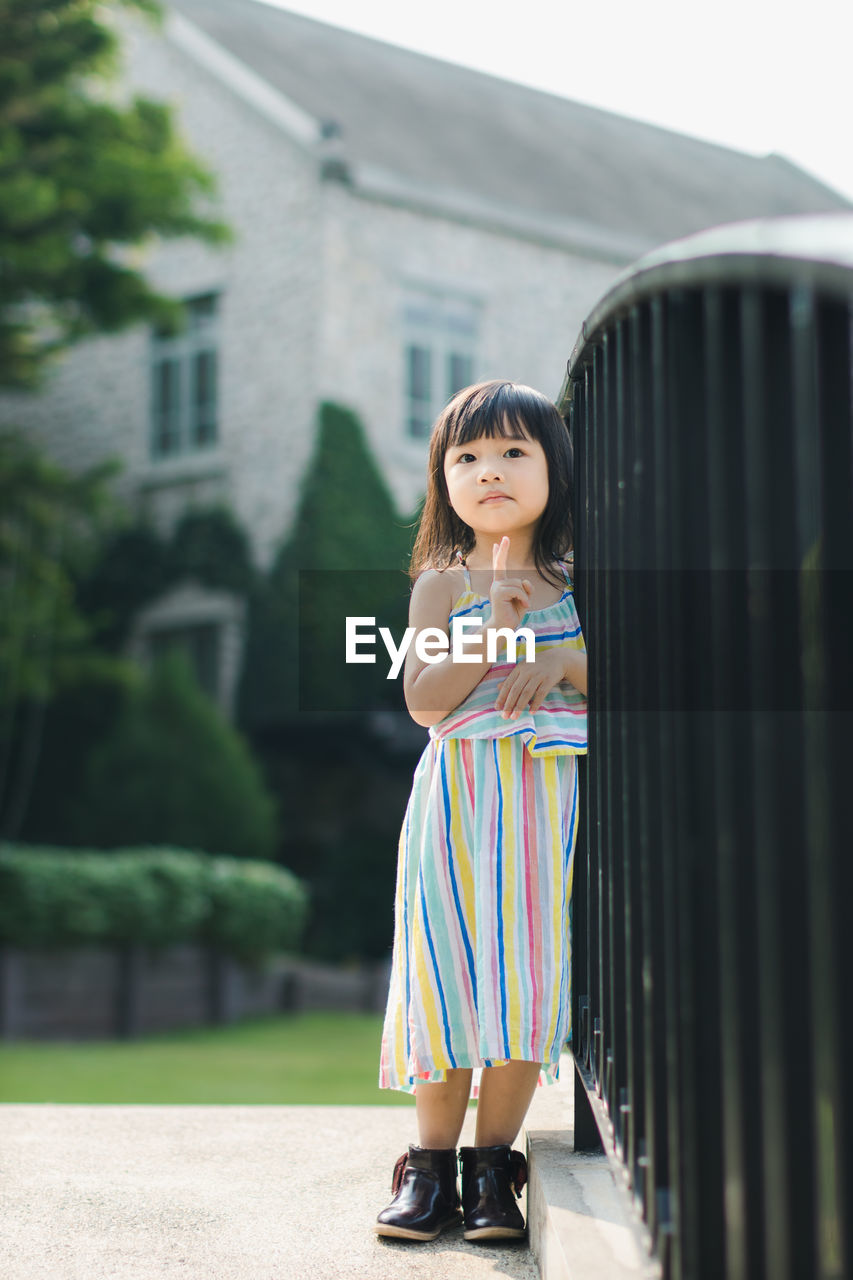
489 470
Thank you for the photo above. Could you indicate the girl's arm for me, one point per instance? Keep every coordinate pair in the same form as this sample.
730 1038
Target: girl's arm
433 689
575 671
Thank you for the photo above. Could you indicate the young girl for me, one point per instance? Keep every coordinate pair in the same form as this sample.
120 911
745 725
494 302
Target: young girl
480 974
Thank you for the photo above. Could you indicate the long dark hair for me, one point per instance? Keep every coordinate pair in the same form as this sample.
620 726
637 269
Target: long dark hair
496 409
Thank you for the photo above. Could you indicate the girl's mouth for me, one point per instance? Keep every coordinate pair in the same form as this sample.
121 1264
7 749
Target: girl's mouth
495 497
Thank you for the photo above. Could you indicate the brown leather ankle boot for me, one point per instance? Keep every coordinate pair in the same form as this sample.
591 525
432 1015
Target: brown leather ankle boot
492 1179
425 1196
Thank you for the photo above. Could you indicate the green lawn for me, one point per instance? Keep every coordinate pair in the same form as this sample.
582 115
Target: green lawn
296 1058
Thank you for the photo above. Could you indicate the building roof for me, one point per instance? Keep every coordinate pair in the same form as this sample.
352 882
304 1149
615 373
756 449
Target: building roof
416 130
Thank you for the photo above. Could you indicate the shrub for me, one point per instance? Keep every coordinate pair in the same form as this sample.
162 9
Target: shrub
173 771
64 898
355 547
254 908
57 897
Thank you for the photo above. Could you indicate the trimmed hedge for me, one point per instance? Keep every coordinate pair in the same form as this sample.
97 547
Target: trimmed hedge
256 908
155 896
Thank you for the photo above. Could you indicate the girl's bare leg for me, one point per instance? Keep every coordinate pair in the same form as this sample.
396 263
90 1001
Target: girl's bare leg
441 1109
505 1094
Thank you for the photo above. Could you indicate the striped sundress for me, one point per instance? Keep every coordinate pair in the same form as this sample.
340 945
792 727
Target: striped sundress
480 966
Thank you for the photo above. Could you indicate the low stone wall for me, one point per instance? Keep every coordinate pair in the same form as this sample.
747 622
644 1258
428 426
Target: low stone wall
98 993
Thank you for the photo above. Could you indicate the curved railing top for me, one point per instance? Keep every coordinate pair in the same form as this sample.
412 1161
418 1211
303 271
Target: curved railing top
814 251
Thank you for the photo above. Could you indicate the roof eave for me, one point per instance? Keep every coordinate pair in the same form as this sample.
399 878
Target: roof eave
282 111
373 183
584 239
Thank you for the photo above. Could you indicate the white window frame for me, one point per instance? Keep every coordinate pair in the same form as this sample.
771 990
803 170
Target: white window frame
187 605
182 352
443 327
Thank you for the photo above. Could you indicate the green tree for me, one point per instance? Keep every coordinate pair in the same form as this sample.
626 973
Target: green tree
136 565
174 771
309 712
84 180
132 565
346 518
346 555
210 546
50 526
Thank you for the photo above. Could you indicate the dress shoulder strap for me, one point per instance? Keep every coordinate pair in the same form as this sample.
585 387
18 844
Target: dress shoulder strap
567 564
460 558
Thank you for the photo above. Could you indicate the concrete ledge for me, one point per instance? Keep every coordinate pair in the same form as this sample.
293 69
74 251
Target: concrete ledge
580 1226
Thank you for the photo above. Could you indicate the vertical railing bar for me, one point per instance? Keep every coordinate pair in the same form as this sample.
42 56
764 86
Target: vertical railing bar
663 658
622 924
818 1036
760 440
701 1227
588 588
645 1099
723 436
683 856
616 823
579 926
789 830
678 850
833 838
632 1096
599 758
610 831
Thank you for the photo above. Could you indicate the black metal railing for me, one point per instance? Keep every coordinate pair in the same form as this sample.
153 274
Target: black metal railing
709 398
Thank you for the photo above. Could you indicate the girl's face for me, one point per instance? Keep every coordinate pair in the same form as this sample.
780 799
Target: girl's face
498 485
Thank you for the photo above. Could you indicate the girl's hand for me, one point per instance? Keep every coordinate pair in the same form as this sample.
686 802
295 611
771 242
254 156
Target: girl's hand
509 597
528 682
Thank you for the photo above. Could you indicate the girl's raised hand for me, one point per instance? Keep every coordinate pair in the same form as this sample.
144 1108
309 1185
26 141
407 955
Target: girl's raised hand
509 597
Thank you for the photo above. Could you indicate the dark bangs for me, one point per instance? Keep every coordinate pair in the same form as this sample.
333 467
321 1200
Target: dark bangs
492 409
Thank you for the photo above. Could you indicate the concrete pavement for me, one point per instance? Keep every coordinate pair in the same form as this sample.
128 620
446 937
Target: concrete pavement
274 1193
215 1193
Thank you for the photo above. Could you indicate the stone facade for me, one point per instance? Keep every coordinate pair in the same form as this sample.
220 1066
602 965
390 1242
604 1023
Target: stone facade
311 298
531 299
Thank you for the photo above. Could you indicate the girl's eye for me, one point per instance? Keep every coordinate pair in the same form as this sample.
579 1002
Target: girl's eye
513 451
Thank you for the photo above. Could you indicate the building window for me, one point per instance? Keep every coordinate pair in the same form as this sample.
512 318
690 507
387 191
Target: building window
419 389
184 382
440 335
200 642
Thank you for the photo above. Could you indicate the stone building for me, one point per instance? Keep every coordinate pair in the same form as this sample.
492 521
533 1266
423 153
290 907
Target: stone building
404 226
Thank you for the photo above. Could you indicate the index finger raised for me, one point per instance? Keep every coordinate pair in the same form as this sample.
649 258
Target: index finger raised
500 555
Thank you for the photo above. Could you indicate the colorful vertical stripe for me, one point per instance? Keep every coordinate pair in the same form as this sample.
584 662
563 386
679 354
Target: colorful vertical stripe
480 967
560 723
481 961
